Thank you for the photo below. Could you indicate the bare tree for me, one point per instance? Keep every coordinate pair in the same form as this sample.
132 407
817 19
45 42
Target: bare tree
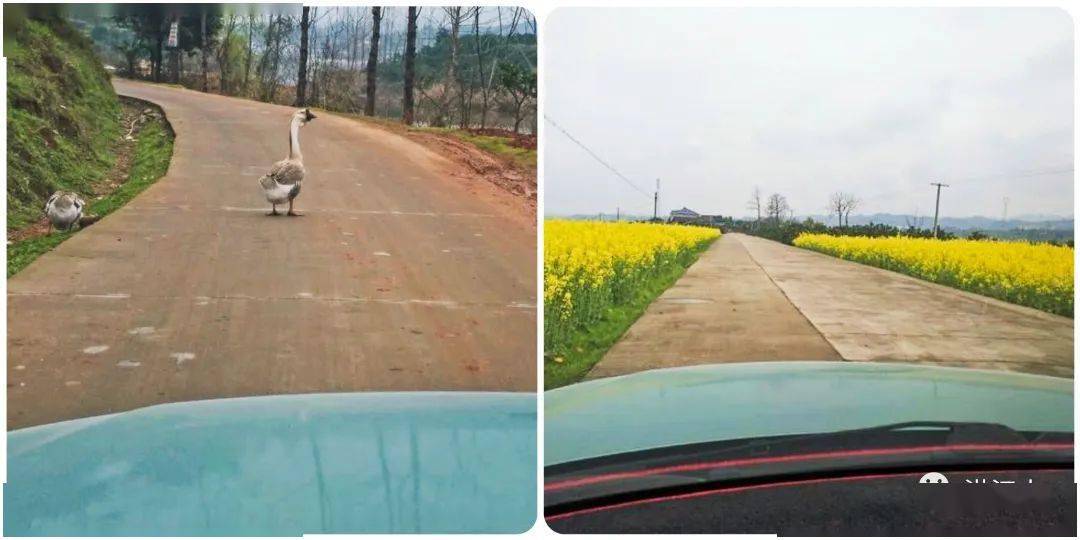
755 202
326 57
373 61
223 52
466 84
408 113
301 77
914 221
250 50
851 202
268 70
480 67
837 204
487 86
325 68
777 208
520 85
455 15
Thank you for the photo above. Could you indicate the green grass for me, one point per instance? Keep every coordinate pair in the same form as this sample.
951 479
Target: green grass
63 117
21 254
586 346
153 150
499 146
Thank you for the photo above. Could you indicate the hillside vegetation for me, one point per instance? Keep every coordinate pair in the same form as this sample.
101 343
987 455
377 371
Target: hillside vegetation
62 116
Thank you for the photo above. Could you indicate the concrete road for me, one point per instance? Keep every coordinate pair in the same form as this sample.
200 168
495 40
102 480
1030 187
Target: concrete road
397 277
751 299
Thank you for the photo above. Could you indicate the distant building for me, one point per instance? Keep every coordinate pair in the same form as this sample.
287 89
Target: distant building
686 215
683 215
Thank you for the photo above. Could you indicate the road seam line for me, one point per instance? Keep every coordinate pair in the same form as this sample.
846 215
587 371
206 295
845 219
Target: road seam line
791 302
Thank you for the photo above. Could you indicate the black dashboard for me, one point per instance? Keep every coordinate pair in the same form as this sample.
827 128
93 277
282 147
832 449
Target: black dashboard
972 503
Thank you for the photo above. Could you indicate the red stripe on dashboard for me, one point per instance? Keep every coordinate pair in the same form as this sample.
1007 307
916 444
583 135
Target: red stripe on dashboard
686 467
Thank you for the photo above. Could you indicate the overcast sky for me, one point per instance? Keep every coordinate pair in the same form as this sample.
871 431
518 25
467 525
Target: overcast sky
804 102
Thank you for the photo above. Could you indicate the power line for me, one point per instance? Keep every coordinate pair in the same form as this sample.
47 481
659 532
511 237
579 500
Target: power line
597 157
1008 175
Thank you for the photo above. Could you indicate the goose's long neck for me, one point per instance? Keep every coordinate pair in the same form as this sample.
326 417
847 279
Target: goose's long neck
294 140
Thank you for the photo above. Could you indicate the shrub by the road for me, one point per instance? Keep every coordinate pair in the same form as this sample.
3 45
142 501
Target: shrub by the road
1034 275
599 277
787 231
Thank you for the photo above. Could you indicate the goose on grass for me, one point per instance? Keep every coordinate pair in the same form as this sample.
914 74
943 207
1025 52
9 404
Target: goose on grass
64 209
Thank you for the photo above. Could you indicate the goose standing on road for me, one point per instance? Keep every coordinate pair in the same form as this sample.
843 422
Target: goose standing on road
282 183
64 209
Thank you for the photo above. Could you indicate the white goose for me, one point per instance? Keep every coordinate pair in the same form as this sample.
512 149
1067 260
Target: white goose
64 209
282 183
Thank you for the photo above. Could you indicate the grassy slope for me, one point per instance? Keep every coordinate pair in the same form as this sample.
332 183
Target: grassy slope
588 345
153 150
62 117
499 146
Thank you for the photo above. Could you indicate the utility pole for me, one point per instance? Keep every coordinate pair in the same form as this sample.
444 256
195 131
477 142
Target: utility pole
937 204
1004 211
618 214
656 199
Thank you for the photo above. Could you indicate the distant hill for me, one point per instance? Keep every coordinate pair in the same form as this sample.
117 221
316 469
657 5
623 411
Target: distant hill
981 223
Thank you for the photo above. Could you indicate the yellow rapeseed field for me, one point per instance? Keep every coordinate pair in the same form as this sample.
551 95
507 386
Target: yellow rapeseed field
590 266
1035 275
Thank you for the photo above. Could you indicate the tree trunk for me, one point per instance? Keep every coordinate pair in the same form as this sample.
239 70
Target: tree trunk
518 115
373 61
247 61
202 46
159 55
451 70
301 78
222 56
408 104
480 66
176 65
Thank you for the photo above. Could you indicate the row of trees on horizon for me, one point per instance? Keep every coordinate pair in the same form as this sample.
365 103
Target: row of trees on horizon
775 207
465 67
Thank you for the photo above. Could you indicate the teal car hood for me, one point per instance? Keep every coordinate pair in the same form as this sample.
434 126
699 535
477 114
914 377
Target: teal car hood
668 407
281 466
